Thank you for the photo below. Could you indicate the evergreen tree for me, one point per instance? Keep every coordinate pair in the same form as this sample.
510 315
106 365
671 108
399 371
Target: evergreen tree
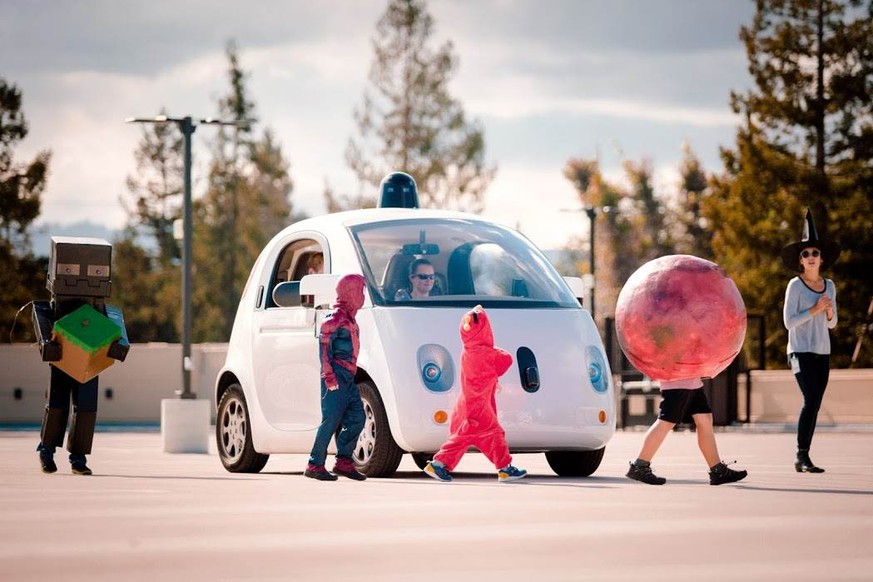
628 230
246 203
157 188
647 214
147 292
691 231
147 278
409 121
21 188
807 141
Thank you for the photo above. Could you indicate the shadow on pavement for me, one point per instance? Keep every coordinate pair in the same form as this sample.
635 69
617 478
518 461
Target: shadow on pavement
796 490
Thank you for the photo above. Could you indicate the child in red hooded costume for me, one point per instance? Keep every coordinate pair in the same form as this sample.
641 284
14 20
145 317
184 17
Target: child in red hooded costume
474 418
341 404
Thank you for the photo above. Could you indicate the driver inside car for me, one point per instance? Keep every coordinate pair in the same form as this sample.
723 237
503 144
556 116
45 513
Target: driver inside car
421 281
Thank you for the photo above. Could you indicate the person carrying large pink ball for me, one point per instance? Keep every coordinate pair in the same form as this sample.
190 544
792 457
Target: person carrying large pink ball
678 319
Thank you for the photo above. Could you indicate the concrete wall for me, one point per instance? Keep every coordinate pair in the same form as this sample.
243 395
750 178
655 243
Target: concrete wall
130 391
152 372
776 397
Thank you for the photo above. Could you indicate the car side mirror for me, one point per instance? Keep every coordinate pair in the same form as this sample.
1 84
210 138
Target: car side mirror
287 294
578 287
321 287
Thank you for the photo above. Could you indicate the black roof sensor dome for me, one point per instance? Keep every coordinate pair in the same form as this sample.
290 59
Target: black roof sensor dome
398 190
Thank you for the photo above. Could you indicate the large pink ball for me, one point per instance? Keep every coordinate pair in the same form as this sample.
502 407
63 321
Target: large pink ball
680 317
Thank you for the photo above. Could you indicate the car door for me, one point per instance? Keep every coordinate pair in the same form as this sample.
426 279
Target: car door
285 344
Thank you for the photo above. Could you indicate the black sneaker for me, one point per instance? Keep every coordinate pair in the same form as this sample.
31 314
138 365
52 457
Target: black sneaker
346 468
319 473
80 469
47 461
644 475
721 474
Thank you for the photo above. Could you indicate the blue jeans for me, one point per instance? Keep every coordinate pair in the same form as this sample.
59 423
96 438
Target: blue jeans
341 407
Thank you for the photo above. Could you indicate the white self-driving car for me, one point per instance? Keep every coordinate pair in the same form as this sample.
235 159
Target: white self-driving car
557 397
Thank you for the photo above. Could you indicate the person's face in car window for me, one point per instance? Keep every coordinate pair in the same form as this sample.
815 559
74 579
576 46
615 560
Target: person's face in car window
422 281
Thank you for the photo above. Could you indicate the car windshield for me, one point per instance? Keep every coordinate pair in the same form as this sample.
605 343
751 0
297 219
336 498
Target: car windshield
439 262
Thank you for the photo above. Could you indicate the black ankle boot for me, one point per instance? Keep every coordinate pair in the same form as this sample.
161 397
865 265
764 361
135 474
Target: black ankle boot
803 464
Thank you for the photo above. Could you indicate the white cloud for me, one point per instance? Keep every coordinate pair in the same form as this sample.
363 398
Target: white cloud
544 93
540 202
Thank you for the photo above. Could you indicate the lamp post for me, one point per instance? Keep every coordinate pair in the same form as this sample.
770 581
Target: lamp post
591 211
187 126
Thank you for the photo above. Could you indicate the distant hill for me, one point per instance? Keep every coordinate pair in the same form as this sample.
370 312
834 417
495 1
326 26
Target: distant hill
41 234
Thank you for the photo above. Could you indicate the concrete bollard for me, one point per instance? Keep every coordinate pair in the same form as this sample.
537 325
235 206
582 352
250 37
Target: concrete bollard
185 425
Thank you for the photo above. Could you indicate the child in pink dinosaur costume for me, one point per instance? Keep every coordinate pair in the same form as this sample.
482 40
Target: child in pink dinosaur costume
474 418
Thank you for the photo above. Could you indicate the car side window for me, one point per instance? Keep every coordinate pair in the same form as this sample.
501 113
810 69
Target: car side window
296 260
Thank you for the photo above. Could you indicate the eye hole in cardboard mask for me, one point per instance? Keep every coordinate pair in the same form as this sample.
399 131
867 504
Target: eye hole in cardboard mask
98 270
67 269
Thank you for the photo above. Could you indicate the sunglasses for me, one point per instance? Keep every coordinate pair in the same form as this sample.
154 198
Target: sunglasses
805 254
424 277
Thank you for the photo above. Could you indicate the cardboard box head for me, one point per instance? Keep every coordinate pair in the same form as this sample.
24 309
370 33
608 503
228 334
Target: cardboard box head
79 267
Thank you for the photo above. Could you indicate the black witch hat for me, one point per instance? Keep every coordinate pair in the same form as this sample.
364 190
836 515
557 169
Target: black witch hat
829 250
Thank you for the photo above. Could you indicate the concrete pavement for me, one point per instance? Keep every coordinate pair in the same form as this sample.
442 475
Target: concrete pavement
147 515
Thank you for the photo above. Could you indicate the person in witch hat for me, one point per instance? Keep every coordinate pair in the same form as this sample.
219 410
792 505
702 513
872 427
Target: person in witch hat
809 313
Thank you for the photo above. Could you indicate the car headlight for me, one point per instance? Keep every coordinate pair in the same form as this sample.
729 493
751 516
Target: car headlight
436 370
597 369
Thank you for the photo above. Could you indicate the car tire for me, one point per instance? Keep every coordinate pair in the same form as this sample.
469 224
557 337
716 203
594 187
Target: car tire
233 434
376 454
422 459
575 463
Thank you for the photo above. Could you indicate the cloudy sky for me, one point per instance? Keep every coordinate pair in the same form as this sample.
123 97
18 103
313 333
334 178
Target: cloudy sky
548 79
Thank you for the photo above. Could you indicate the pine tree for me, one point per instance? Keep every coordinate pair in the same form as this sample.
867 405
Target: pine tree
21 188
628 230
246 203
147 291
691 231
807 141
146 271
409 121
156 190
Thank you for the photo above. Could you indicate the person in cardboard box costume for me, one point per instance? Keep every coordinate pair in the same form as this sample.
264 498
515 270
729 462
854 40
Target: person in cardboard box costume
80 336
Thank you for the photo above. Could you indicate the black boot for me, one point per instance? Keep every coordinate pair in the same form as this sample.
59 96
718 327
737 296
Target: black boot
721 474
803 464
47 459
78 466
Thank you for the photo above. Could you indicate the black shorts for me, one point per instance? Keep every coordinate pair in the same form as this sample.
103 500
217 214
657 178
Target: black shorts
679 405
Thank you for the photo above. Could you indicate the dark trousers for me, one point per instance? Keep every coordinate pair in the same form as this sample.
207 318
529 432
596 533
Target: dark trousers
341 407
813 380
62 391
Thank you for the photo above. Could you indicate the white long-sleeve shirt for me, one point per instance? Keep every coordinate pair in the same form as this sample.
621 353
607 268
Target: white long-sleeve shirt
807 332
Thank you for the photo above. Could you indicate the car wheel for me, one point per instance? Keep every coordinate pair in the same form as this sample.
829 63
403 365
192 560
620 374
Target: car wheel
575 463
376 454
233 434
422 459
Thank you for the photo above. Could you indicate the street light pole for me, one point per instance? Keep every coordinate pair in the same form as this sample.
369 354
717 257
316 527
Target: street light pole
187 126
591 211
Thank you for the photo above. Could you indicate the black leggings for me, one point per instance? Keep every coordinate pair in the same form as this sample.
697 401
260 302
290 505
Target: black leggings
813 380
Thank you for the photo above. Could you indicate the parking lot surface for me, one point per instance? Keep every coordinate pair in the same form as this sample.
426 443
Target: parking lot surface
148 515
